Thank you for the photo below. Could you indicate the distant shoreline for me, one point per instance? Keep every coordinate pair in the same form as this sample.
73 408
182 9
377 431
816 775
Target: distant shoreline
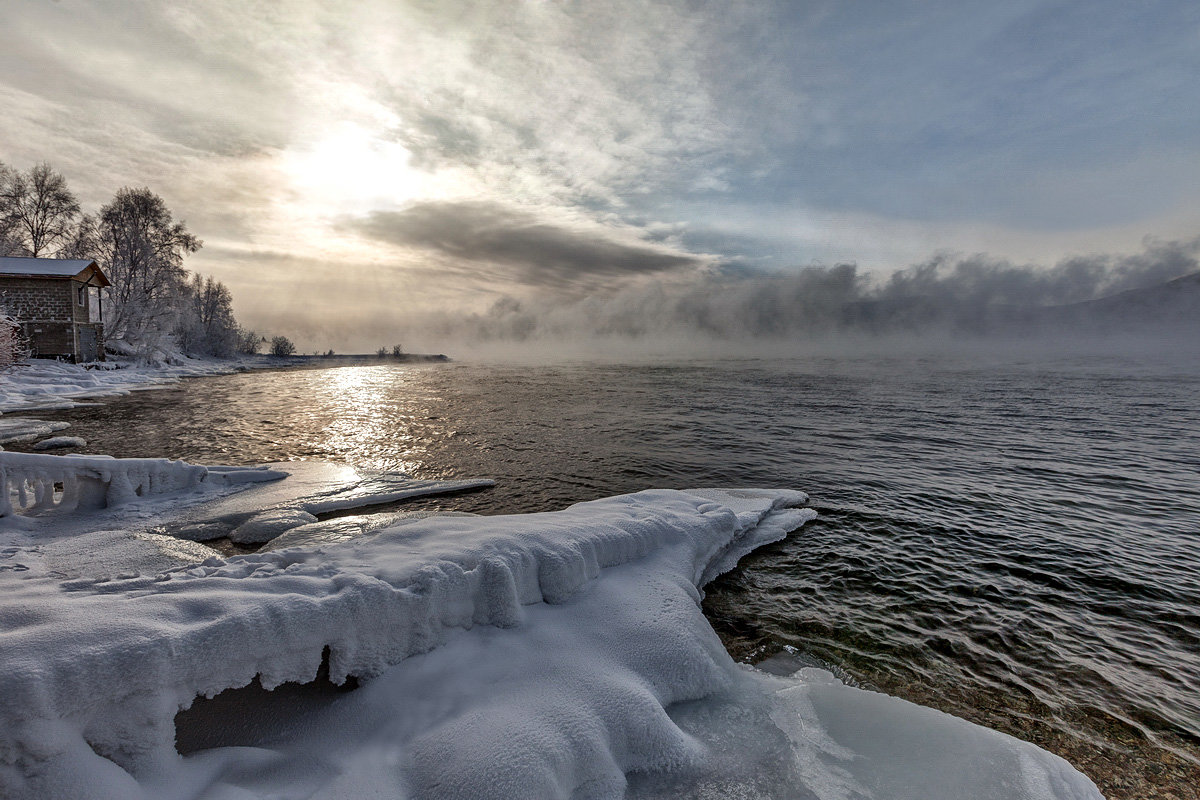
347 360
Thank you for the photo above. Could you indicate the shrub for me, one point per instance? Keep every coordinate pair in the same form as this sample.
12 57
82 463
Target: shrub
282 346
13 347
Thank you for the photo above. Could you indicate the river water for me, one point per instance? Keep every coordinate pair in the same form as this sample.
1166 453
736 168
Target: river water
1016 542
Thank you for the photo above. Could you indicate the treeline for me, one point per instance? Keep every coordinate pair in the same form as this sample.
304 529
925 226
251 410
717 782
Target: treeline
155 309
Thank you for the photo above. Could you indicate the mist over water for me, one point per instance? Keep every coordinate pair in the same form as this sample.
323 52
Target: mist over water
1012 539
949 296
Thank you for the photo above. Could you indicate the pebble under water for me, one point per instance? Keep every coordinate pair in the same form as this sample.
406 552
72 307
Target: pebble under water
1016 542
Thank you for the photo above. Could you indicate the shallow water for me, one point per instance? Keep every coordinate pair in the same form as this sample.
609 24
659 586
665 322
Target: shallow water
1016 542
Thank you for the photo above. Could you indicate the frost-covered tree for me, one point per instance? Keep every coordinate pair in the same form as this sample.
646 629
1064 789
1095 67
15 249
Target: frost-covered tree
37 210
282 346
249 341
141 249
10 245
205 324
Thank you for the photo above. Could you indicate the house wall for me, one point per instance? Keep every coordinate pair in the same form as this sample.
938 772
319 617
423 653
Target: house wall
38 299
49 314
50 339
79 313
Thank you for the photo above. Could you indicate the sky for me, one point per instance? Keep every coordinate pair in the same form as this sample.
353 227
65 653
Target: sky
354 166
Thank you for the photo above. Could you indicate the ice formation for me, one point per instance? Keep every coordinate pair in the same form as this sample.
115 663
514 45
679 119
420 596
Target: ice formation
60 442
26 429
34 484
554 655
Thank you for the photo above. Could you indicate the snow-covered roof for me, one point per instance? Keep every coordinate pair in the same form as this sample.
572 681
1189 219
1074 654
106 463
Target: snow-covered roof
48 267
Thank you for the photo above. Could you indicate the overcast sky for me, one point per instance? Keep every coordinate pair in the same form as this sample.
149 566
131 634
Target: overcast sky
347 163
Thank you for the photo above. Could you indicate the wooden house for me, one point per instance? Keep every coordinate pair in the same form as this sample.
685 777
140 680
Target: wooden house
59 304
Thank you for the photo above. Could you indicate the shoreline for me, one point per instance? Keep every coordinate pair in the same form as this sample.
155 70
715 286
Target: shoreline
45 385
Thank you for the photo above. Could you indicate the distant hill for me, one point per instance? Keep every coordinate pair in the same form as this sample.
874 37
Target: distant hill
1175 303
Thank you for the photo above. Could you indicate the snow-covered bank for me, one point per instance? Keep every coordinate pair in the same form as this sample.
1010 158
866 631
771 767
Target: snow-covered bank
42 384
554 655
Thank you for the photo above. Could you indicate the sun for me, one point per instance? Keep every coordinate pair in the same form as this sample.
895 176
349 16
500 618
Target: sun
351 169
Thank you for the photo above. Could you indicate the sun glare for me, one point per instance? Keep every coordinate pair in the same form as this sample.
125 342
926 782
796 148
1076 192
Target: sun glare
352 170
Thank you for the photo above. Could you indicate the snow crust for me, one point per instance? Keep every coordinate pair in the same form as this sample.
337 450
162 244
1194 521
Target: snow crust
555 655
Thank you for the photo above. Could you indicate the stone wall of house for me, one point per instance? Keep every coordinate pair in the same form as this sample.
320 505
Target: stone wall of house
50 339
38 299
50 314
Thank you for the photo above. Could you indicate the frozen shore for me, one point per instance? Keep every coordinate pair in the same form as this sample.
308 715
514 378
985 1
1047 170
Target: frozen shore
41 384
553 655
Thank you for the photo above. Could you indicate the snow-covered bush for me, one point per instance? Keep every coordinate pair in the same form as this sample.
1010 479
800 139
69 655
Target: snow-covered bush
13 345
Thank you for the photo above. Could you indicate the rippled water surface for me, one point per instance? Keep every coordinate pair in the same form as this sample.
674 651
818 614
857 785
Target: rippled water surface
1016 542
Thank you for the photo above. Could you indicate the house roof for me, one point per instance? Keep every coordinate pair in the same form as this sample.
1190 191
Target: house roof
52 268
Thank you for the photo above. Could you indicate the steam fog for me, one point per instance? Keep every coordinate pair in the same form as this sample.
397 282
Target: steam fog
971 300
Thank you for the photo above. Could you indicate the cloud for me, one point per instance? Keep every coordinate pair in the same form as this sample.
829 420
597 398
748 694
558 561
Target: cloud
536 252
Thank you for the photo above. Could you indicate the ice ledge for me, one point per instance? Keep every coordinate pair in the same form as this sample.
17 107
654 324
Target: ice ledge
119 657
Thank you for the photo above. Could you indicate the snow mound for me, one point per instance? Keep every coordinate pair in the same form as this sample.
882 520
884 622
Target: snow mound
342 529
555 655
266 526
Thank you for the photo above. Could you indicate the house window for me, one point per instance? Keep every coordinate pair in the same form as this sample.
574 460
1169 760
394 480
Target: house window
82 296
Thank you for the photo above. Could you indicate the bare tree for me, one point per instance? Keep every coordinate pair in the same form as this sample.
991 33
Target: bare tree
10 245
37 209
141 249
82 241
10 241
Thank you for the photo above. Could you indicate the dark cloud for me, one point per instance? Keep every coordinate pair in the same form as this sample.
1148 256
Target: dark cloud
531 250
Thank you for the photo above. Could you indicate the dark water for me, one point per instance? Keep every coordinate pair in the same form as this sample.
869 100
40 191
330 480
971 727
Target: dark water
1016 542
